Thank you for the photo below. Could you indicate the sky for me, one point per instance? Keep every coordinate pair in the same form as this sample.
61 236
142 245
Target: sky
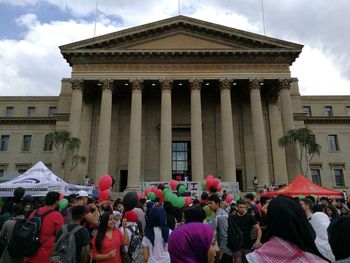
32 30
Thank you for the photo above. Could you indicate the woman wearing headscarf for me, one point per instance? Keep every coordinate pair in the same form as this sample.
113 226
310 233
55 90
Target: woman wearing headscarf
193 243
170 219
155 241
320 223
339 239
291 238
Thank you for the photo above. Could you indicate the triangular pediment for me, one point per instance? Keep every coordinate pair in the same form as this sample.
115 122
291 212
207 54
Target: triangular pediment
180 34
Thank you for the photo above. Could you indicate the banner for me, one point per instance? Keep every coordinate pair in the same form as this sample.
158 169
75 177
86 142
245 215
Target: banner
196 187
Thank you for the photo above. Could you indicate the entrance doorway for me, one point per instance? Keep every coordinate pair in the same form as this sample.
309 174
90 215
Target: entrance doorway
123 180
181 160
239 179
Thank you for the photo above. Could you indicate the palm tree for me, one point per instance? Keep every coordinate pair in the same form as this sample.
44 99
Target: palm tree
304 139
64 143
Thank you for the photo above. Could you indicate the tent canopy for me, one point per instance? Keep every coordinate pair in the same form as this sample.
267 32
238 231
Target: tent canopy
9 176
38 181
302 186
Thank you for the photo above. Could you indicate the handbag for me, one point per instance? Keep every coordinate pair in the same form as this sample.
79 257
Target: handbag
124 255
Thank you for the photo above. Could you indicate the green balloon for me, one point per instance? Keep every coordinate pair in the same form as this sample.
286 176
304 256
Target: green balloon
166 190
254 193
151 196
63 203
168 196
301 196
237 198
204 186
181 189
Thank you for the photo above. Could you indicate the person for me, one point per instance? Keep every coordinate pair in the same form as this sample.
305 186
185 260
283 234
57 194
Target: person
320 223
86 181
193 243
255 183
339 239
28 209
246 223
194 214
170 219
214 205
50 225
306 204
324 201
131 225
290 235
107 242
332 213
7 230
82 236
224 194
90 219
155 241
226 255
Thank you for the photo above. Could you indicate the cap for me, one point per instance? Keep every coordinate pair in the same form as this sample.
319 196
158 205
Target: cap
82 193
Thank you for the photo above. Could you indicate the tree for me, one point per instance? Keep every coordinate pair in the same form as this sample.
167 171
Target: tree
304 140
64 143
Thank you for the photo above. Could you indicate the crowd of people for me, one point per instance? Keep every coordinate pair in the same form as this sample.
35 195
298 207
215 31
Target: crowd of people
280 229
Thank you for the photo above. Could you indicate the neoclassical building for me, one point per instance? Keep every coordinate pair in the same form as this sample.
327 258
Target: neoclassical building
179 96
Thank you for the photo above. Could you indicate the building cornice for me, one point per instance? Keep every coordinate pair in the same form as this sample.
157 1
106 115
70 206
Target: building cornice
321 119
34 120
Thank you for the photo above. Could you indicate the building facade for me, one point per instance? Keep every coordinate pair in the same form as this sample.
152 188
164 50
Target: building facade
179 97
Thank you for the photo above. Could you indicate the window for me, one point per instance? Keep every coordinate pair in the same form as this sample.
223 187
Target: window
339 177
333 142
328 111
316 176
52 111
348 111
21 171
307 110
4 143
9 112
27 142
48 143
30 111
2 172
181 159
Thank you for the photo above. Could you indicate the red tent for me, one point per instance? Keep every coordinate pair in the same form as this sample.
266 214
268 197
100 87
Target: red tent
302 186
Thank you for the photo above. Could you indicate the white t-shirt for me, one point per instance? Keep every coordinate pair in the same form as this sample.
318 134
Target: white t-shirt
159 253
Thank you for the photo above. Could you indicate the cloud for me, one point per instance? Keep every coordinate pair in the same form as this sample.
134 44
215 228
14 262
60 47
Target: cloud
19 2
34 65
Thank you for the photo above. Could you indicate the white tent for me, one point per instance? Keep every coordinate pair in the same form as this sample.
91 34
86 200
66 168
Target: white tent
38 181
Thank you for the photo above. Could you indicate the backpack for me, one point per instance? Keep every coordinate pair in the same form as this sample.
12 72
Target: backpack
25 236
135 249
64 250
235 237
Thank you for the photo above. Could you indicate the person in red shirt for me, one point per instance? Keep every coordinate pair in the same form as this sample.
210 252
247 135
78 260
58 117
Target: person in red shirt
106 243
51 223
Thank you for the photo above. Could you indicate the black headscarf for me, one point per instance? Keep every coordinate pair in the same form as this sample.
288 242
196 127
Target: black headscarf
195 214
339 237
287 220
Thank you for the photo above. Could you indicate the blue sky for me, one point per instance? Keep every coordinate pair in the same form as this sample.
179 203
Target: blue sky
32 30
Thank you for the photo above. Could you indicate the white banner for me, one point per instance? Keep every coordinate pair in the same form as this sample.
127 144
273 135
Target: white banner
196 187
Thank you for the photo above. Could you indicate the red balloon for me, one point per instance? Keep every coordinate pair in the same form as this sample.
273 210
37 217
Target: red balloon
61 196
173 184
210 177
159 193
154 189
219 188
104 195
105 182
216 182
139 196
229 199
188 200
208 183
147 191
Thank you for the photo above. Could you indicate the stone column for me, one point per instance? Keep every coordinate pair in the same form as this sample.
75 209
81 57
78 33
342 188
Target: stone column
196 131
259 133
166 132
278 153
104 130
134 162
288 124
227 132
76 107
286 105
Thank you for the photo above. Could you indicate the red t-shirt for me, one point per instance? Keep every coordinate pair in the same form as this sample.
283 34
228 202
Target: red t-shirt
49 228
108 244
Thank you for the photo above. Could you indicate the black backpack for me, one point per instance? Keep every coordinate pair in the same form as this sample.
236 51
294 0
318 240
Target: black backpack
25 236
235 236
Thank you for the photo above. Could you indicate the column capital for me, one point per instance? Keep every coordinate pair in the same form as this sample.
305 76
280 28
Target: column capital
137 84
225 84
284 83
166 84
77 84
254 84
106 84
195 84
